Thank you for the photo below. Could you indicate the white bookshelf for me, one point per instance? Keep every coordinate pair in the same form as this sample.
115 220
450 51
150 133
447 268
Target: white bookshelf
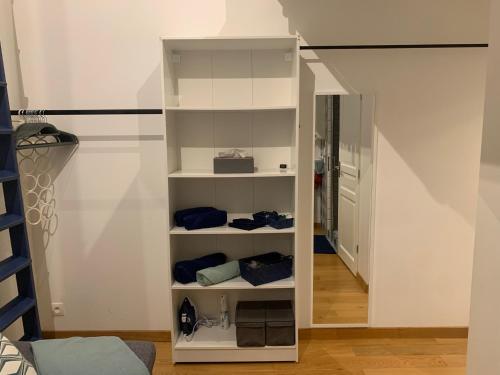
222 93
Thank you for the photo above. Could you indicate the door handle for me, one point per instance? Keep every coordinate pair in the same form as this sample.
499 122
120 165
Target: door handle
336 166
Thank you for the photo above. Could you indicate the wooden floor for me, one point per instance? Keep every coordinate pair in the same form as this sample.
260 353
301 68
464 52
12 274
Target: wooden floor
338 296
345 357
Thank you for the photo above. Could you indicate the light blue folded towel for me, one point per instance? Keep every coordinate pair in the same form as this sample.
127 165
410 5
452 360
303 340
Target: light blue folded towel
218 274
84 356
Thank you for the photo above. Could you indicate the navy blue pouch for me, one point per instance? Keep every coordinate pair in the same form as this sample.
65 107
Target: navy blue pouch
209 219
185 271
181 215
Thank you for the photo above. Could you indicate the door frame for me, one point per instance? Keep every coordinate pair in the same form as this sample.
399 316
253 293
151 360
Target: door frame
371 294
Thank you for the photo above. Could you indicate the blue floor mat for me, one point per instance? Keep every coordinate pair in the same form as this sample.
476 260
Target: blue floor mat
322 245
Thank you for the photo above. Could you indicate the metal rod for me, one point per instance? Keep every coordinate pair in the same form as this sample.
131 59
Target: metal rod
90 112
397 46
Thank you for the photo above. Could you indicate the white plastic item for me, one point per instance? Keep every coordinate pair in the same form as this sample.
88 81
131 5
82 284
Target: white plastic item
224 315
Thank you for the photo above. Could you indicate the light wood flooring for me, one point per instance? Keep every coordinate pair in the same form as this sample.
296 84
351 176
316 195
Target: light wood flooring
344 357
338 296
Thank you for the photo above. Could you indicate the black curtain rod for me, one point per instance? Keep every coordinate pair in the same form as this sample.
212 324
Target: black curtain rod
397 46
70 112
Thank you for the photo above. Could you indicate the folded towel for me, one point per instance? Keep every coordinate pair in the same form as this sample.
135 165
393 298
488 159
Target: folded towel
185 271
218 274
84 356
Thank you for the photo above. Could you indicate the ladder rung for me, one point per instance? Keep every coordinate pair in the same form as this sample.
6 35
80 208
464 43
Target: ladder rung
6 175
14 310
3 84
12 265
10 220
6 131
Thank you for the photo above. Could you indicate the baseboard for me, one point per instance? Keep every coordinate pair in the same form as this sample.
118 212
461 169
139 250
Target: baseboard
362 282
383 333
304 333
156 336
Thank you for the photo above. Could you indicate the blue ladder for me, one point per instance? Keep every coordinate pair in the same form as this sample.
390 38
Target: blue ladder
19 264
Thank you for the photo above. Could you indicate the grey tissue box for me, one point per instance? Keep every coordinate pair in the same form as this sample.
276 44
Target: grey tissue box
234 165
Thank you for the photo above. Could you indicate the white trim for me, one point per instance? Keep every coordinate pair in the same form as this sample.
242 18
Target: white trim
372 281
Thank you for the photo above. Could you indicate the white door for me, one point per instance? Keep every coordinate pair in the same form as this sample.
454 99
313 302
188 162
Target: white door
349 162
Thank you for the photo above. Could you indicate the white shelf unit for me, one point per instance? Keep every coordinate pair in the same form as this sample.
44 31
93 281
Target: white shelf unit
223 93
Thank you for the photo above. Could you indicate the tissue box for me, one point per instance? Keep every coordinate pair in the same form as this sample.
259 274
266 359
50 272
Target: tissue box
233 165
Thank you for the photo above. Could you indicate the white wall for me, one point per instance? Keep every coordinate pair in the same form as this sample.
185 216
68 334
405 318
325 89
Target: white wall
106 261
9 48
484 338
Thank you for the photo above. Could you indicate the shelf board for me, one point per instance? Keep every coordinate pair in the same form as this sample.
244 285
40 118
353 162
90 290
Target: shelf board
229 230
224 109
217 338
210 174
231 43
237 283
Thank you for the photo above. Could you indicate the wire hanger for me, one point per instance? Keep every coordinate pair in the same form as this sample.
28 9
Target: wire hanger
37 132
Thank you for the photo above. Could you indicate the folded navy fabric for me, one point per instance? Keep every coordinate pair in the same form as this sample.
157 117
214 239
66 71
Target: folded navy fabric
247 224
181 215
185 271
209 219
273 219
